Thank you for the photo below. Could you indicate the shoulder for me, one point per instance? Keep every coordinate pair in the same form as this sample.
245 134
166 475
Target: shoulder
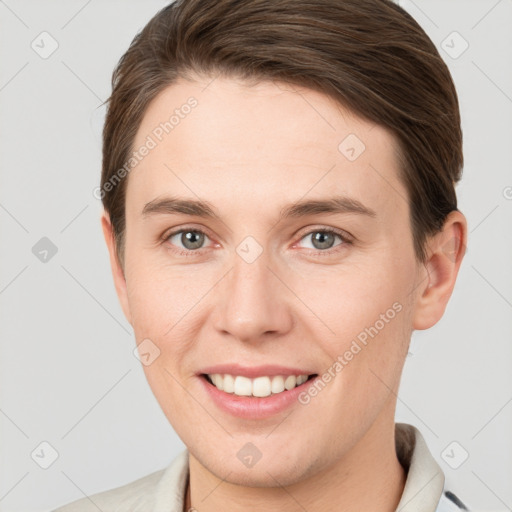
425 487
136 496
161 490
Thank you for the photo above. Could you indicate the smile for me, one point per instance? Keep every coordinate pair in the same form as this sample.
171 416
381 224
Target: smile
258 387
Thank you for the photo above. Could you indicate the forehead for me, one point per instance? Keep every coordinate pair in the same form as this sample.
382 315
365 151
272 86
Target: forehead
223 138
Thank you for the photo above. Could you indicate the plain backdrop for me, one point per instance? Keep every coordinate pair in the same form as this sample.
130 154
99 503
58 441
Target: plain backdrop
69 378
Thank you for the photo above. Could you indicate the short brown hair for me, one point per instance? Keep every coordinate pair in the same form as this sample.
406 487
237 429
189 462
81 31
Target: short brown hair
369 55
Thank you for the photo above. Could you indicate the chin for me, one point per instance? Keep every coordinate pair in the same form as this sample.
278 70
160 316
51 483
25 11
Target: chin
276 470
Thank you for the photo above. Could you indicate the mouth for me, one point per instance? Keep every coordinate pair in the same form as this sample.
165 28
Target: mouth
258 387
255 392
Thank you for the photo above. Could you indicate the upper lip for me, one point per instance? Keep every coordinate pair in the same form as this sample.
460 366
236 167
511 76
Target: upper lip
251 372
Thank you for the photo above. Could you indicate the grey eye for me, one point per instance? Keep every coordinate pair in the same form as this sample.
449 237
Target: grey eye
190 239
322 239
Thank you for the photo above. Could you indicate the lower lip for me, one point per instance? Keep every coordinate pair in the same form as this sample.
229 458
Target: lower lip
250 407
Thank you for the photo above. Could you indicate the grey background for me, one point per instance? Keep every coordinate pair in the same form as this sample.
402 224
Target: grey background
68 374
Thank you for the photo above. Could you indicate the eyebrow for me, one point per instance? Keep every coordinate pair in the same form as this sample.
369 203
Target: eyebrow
337 204
173 205
200 208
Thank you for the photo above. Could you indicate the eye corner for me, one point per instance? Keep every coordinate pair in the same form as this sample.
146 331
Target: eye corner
346 238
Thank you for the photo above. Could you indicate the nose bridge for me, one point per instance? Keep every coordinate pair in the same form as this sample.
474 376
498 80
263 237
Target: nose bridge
253 303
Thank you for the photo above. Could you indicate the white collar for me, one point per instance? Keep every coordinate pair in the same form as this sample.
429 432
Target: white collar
425 479
422 492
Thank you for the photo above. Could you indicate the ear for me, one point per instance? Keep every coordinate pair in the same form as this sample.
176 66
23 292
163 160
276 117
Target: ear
115 265
445 252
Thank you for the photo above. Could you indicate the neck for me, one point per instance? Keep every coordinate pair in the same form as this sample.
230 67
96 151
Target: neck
369 477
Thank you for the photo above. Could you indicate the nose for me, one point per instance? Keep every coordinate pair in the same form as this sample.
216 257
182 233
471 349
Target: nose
252 303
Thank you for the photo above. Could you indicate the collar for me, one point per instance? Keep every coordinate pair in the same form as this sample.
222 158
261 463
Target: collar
425 479
422 491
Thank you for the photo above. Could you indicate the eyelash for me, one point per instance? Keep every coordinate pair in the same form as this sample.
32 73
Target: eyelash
345 238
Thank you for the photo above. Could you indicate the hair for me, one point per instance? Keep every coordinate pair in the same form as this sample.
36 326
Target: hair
370 56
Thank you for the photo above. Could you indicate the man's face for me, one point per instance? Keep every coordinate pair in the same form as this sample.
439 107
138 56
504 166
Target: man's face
264 289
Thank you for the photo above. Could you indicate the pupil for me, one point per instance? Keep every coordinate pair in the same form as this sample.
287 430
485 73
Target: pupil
192 239
320 238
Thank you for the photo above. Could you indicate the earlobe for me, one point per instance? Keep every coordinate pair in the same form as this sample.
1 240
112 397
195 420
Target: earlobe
115 265
446 251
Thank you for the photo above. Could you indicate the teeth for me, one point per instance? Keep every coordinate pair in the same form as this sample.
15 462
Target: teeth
301 379
243 386
227 383
260 386
290 382
277 385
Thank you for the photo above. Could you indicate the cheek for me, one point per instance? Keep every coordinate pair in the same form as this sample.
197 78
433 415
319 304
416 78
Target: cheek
161 296
168 304
349 300
365 323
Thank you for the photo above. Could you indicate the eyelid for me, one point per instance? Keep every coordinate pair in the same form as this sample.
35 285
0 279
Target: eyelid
346 238
174 231
345 235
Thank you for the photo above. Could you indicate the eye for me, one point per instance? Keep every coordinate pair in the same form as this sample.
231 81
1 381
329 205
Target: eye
189 239
324 239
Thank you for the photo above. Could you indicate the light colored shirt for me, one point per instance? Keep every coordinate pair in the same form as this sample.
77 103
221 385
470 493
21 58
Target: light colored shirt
164 490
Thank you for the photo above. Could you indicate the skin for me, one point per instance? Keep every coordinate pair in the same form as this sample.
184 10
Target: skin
249 150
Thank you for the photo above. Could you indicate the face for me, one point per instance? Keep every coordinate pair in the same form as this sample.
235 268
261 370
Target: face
300 262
